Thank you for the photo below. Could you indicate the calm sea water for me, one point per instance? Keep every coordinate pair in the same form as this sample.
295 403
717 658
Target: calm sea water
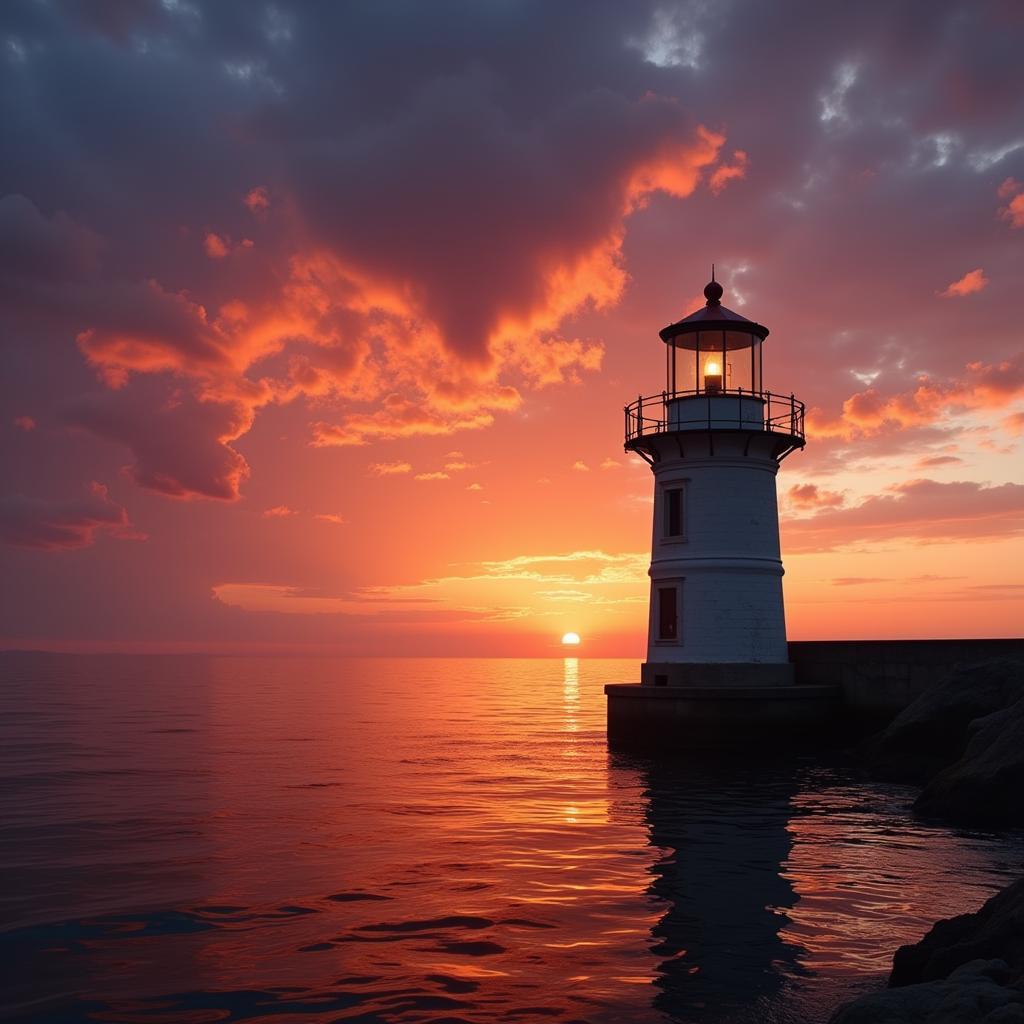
187 840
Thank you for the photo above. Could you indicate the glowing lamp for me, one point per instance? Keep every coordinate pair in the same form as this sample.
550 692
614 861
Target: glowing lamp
712 376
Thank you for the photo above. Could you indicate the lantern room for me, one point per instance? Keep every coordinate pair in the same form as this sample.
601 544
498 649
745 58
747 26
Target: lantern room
714 382
713 351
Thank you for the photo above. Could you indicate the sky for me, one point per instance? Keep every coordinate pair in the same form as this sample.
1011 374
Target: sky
317 320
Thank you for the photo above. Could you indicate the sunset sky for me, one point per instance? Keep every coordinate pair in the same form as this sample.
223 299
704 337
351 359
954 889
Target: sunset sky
318 319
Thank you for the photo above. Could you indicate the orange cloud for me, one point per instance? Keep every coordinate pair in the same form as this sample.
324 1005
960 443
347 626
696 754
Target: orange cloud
215 246
397 417
279 512
390 468
811 496
369 605
257 199
938 460
390 335
582 584
723 174
331 517
458 463
675 169
972 281
432 476
1013 211
25 423
544 361
983 386
1009 187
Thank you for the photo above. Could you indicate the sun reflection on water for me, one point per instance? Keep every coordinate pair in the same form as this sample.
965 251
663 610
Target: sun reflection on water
571 698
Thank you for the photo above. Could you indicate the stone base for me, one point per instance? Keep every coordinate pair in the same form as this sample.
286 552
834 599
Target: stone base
729 674
684 718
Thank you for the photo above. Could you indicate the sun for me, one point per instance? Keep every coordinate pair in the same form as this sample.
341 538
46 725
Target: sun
571 639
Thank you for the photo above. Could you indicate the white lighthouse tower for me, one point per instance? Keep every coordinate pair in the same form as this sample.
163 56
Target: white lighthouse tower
717 670
714 439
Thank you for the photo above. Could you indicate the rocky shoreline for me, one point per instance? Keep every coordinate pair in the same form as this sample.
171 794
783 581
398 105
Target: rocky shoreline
963 742
966 969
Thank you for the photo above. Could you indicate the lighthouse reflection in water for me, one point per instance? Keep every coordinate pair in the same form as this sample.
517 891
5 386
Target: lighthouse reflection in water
423 840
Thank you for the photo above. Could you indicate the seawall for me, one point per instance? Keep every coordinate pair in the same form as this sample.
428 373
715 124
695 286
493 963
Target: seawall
881 677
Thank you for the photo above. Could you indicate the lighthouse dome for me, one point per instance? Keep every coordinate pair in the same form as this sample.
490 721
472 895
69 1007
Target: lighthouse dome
713 316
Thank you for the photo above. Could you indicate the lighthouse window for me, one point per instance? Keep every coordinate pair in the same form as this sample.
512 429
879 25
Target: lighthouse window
674 512
668 614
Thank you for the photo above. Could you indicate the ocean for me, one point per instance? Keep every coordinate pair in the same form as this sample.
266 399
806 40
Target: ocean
191 839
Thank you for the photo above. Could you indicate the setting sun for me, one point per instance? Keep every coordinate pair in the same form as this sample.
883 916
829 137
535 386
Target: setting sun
571 639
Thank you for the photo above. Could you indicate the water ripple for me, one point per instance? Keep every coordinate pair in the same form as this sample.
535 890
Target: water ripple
189 840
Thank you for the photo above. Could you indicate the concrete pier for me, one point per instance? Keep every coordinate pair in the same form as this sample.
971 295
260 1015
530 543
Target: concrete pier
696 717
881 677
839 686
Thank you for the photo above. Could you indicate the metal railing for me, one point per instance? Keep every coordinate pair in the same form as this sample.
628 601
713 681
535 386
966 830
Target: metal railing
661 413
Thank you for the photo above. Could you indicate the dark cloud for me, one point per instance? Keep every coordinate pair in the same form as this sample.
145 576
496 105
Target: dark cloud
920 510
60 525
180 445
428 220
33 246
49 272
498 215
142 327
421 208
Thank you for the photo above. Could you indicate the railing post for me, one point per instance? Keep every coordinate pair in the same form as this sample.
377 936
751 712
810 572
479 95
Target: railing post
640 414
792 413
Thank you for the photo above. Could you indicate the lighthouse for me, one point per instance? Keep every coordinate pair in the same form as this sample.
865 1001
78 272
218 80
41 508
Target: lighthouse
714 438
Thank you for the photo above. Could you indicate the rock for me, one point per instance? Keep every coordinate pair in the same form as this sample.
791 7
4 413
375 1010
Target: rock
986 786
931 732
976 992
994 931
967 969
